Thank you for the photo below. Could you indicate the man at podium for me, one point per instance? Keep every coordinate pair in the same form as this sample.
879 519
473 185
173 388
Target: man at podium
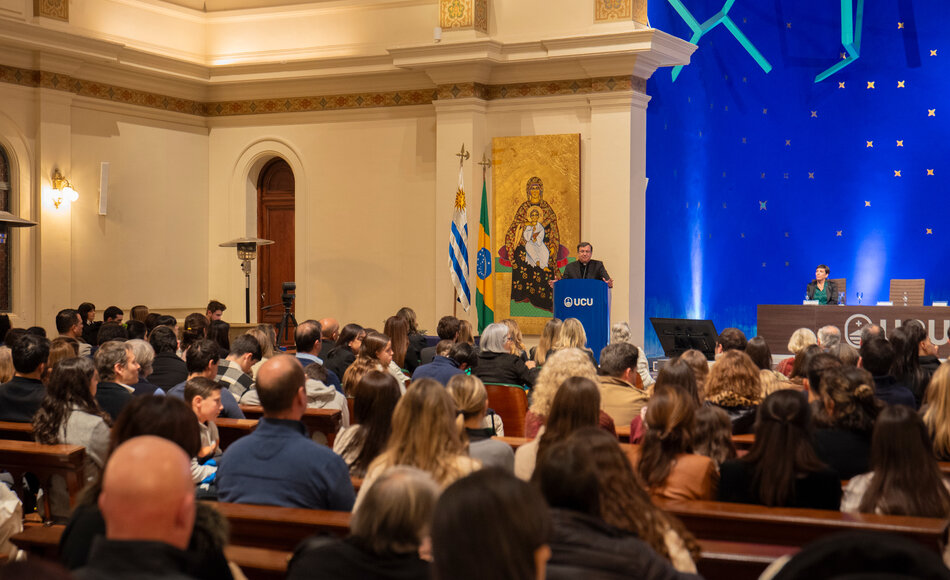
587 268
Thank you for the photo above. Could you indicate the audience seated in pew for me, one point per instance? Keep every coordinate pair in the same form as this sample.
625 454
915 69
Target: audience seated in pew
266 336
376 353
845 418
582 543
471 400
204 397
70 415
782 468
148 504
560 366
576 405
69 325
278 464
307 340
144 355
936 410
235 369
572 335
905 479
170 419
490 525
622 398
375 397
877 356
620 332
445 366
676 373
118 371
906 340
168 369
496 363
712 434
397 329
344 352
195 328
427 434
201 359
417 340
446 329
21 396
549 334
734 385
389 536
666 464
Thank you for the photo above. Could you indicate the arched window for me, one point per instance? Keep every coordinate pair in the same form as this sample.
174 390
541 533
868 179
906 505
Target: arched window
6 195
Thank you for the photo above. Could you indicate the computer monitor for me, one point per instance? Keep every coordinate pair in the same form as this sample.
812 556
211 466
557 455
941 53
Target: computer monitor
677 335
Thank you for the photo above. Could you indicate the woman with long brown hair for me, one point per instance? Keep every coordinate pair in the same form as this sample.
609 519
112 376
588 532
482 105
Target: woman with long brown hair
906 479
561 365
576 404
376 352
676 373
734 385
426 434
782 468
398 332
416 340
847 411
375 398
667 466
624 504
69 414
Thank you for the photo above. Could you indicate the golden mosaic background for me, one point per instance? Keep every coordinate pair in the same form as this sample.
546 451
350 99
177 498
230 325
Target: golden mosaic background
556 159
620 10
464 14
58 9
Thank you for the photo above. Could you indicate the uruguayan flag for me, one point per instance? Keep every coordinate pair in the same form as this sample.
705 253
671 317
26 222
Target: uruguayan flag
458 248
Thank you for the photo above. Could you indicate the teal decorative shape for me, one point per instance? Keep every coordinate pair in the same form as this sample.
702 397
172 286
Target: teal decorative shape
851 25
721 17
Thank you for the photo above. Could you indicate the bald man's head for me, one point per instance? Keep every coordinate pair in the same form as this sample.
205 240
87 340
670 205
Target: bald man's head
147 492
279 381
331 329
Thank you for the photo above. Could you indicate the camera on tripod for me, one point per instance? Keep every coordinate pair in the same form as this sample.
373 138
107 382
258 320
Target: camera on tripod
287 296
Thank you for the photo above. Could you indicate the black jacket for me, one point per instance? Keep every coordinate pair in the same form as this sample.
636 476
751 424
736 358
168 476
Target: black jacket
113 397
504 368
167 371
321 557
586 547
831 289
595 271
118 560
20 399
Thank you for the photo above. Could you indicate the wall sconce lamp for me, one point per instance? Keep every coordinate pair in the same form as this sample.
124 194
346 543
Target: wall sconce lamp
246 251
62 189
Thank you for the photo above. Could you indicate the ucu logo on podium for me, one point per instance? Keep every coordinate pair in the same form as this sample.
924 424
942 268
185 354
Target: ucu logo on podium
568 302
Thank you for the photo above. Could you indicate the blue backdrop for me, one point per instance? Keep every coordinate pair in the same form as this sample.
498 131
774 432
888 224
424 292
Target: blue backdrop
756 178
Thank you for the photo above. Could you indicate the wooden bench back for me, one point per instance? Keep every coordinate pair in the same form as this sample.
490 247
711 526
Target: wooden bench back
736 522
45 461
326 421
16 431
230 430
511 404
279 528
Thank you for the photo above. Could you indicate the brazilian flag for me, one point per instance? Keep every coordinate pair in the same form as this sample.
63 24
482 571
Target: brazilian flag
485 285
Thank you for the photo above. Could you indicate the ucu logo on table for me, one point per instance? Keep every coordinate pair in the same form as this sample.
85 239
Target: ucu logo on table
568 302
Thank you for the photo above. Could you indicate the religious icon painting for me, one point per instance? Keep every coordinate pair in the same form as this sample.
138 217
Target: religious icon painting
535 220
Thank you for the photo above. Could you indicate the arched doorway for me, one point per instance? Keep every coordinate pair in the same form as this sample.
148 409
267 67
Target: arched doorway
275 221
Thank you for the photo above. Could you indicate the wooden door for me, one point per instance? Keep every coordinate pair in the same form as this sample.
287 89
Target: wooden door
275 221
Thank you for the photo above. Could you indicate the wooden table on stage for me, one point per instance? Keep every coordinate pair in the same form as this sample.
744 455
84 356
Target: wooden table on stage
777 322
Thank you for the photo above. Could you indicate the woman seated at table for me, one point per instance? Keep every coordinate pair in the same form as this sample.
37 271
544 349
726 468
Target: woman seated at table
821 288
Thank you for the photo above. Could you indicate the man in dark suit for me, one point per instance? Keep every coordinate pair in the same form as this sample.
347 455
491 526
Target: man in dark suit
118 371
584 267
20 398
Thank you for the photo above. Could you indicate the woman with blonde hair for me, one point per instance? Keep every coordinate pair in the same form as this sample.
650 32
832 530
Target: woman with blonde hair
426 434
516 346
266 336
562 365
6 364
936 411
471 399
61 348
620 332
549 335
572 335
800 339
734 385
465 332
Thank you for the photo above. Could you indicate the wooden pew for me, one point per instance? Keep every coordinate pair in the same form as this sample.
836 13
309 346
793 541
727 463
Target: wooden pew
734 522
623 433
16 431
40 539
230 430
259 563
279 528
744 441
45 461
326 421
